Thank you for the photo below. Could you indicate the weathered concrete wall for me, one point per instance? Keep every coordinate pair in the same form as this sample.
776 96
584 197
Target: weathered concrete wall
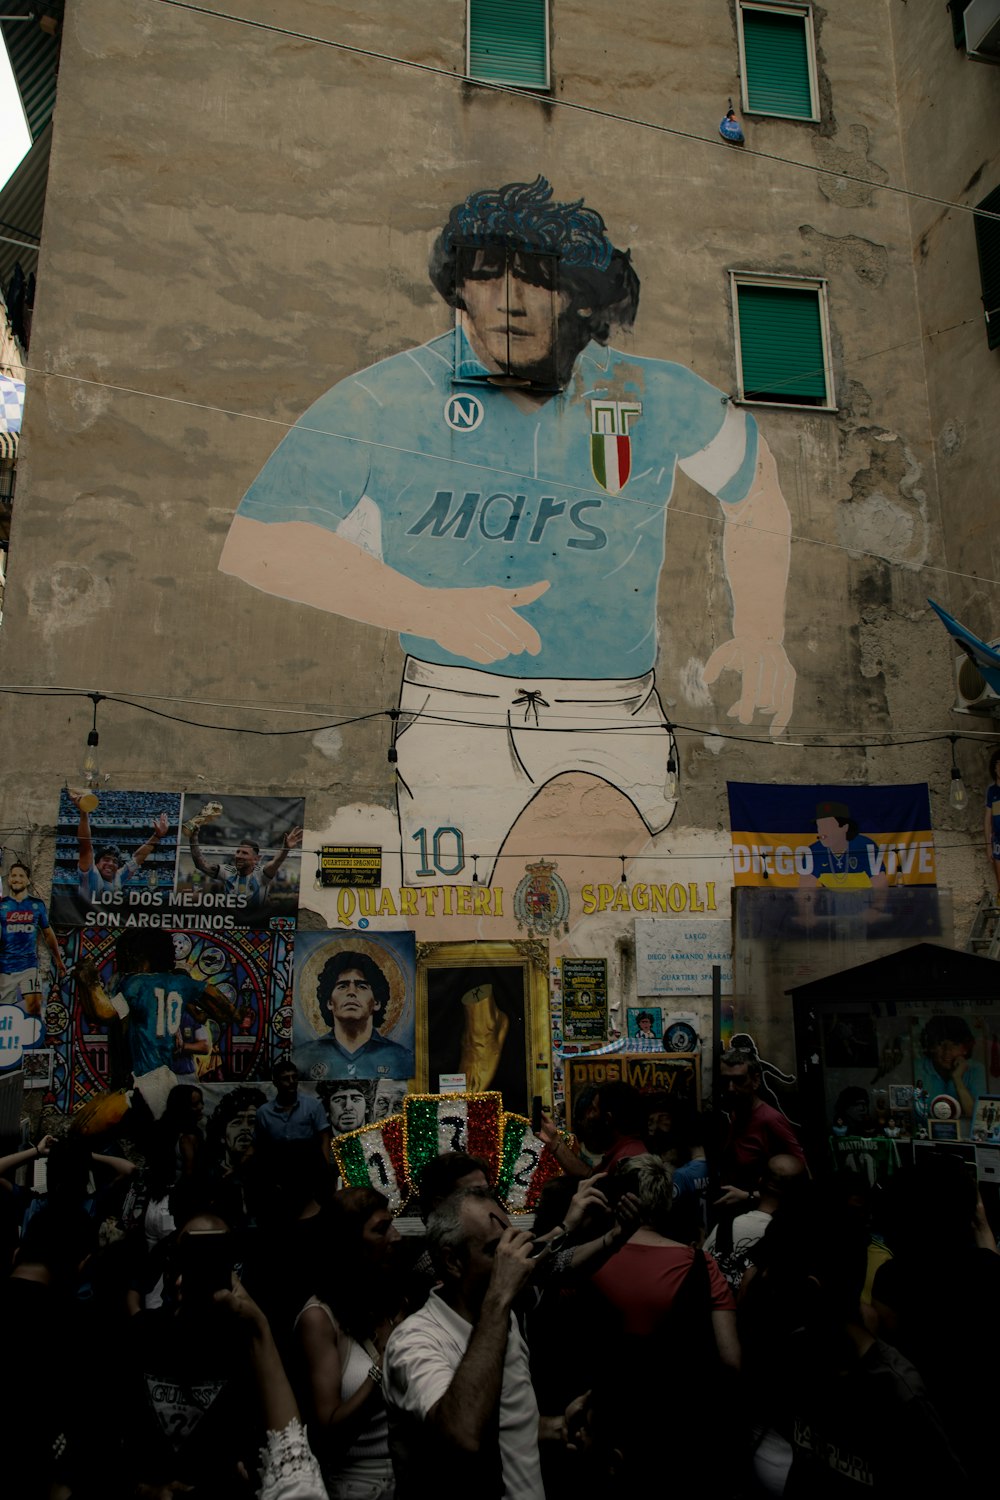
237 220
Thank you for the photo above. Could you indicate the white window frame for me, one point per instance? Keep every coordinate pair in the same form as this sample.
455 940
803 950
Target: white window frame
817 284
804 12
537 88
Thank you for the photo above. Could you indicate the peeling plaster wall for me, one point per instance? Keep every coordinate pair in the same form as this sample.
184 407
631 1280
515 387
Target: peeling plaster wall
950 153
238 220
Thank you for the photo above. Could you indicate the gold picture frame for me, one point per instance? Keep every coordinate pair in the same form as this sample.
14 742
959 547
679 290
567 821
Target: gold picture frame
485 1005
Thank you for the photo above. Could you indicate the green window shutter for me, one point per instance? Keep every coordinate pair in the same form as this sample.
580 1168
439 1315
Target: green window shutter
776 48
781 345
988 244
508 42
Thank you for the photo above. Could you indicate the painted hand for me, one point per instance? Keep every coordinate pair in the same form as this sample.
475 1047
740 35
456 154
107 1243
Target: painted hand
768 678
483 624
293 838
161 825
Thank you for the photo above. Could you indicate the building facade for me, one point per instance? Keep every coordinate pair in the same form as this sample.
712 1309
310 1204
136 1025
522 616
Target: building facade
503 470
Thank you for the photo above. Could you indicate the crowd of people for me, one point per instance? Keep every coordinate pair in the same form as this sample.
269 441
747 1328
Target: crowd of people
690 1304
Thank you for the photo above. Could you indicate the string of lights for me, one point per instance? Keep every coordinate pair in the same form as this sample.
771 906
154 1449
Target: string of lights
580 723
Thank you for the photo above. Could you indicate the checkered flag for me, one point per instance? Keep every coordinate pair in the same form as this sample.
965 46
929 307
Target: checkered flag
11 404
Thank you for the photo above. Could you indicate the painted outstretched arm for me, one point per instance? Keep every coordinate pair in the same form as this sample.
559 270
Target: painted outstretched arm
311 565
756 548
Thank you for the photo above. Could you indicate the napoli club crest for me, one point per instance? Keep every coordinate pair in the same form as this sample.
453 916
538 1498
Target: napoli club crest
541 901
610 444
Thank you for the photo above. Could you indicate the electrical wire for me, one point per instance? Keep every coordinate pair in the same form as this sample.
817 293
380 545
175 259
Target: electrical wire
502 724
548 101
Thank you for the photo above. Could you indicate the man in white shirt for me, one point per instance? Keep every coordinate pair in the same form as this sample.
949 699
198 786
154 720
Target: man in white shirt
456 1376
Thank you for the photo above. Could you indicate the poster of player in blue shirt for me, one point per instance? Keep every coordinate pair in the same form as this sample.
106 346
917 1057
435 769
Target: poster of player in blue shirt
498 497
23 921
355 1011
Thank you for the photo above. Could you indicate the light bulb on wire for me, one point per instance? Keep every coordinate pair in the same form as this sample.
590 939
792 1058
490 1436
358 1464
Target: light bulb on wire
670 782
90 768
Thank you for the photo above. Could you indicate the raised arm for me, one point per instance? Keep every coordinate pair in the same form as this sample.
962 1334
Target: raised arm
198 859
292 840
84 837
161 827
756 551
311 565
463 1416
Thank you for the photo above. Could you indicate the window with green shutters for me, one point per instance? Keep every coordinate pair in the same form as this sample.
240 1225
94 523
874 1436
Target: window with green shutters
509 42
781 340
778 60
988 244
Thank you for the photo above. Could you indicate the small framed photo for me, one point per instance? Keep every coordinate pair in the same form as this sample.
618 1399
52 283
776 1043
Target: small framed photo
945 1130
39 1064
900 1096
985 1127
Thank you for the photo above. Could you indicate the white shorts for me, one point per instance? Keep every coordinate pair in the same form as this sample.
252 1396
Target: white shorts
474 748
14 986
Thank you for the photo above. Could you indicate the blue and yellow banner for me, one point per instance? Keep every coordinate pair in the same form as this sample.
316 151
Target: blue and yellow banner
831 837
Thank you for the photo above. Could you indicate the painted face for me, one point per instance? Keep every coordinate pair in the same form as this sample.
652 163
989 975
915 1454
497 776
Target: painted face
646 1025
353 997
239 1131
107 866
17 880
832 835
389 1096
508 319
346 1110
245 859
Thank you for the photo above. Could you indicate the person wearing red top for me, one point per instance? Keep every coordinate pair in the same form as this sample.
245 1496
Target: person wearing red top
644 1279
756 1131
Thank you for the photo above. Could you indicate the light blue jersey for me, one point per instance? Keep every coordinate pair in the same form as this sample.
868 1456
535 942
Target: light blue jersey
456 486
93 883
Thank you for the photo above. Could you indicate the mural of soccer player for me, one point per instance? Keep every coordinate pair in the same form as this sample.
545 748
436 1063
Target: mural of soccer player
537 492
842 858
23 919
101 867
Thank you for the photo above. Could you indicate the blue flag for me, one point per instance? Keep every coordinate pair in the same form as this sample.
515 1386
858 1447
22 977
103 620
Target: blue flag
984 656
